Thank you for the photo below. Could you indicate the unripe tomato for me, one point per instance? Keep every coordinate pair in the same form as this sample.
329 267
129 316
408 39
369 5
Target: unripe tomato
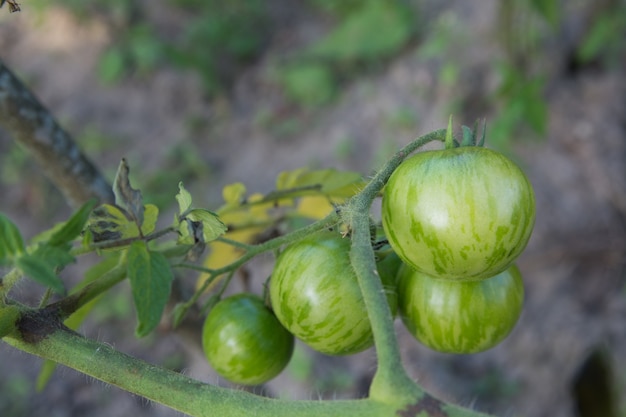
315 294
463 213
460 316
244 342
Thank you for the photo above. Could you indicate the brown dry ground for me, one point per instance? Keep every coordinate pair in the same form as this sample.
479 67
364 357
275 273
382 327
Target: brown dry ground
573 267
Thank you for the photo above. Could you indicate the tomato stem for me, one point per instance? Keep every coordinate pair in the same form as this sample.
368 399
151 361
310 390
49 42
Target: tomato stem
391 382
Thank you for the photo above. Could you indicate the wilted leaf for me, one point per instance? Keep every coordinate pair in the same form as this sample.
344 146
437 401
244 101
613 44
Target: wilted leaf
108 223
126 197
212 227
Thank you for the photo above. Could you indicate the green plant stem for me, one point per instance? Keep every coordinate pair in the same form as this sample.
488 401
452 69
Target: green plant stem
9 280
82 250
68 305
391 381
254 250
197 399
173 389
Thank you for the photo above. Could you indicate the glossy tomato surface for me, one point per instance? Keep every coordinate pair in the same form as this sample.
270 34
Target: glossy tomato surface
463 214
244 342
460 317
315 294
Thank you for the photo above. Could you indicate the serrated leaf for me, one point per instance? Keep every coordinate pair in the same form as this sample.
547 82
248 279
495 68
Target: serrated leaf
126 197
150 279
11 243
212 227
108 223
40 271
184 199
234 193
73 226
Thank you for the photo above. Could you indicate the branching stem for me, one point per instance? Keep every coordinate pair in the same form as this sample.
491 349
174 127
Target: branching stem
391 381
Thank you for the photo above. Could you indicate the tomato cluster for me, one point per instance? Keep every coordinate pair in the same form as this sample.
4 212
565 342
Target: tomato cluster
459 218
456 220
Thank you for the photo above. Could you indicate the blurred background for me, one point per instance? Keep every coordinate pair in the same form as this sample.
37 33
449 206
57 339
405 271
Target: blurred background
211 93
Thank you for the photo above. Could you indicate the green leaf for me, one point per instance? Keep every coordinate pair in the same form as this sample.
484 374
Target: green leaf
378 29
126 197
40 271
11 243
112 65
45 373
602 37
200 225
73 226
309 84
184 199
549 9
54 256
8 317
150 278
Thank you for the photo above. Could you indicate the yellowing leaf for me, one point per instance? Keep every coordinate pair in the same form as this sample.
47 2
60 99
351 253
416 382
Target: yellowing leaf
234 193
108 222
150 215
315 207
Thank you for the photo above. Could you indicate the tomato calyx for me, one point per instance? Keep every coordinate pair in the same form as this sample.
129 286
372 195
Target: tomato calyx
470 135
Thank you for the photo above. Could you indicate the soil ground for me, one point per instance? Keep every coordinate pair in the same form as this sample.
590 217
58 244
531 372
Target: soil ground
574 266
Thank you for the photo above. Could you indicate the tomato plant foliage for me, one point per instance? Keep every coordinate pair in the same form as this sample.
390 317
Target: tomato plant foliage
453 224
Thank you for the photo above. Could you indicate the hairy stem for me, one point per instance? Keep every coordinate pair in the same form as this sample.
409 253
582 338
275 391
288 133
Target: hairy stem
391 380
73 302
176 390
31 125
195 398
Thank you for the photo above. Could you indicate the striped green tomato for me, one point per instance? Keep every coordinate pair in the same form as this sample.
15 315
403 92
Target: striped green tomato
460 316
462 214
244 342
315 294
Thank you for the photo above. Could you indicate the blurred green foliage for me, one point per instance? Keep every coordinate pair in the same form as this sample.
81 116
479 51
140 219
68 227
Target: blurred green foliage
217 39
365 34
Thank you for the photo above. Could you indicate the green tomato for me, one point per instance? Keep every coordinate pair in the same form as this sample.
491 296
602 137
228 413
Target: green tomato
316 295
462 214
244 342
460 317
